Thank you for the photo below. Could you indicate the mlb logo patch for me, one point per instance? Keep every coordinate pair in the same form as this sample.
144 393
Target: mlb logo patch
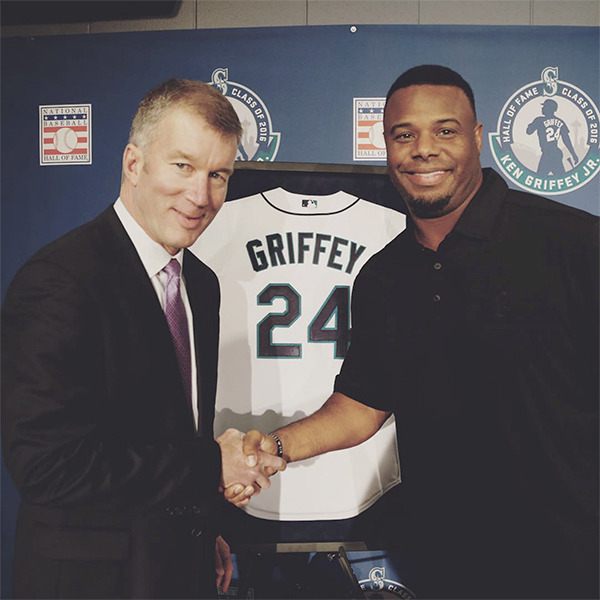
66 134
310 203
368 129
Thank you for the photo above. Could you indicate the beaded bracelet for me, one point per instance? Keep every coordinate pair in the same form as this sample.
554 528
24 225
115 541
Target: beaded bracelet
278 443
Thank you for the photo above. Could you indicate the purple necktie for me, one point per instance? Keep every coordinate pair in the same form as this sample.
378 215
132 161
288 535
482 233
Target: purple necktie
178 325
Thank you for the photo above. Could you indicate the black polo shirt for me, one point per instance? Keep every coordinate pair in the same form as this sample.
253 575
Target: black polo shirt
487 353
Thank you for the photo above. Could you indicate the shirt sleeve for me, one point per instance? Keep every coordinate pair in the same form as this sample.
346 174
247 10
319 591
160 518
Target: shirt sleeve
366 374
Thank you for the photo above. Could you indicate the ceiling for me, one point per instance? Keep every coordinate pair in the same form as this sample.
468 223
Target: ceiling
32 12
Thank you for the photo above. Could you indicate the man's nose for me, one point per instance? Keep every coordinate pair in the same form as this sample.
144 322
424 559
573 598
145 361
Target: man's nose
425 146
198 192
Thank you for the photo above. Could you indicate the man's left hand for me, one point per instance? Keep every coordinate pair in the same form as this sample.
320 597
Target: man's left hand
223 563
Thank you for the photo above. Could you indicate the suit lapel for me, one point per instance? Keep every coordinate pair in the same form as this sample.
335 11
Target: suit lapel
133 285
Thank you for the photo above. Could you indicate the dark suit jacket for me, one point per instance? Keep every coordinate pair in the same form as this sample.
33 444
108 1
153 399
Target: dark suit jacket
118 489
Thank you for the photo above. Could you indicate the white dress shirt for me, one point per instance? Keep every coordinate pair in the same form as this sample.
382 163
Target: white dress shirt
155 258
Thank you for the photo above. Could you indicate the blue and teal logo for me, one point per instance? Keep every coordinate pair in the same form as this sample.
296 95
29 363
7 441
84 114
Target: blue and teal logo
547 136
259 141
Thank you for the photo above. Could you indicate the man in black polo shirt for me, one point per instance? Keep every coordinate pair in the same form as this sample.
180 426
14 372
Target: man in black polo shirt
478 328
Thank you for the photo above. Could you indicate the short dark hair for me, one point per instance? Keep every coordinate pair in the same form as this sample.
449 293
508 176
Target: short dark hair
432 75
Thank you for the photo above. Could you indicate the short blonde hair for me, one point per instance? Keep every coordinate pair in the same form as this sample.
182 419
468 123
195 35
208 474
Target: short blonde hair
198 97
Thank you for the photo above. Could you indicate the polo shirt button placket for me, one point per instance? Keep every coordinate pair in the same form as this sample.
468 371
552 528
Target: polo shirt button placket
437 267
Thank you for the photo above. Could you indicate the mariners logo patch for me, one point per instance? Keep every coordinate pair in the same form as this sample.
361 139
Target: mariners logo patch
368 129
66 134
378 586
259 141
547 136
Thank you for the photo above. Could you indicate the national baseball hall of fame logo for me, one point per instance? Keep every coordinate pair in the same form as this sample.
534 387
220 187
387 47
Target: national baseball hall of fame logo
547 136
369 142
65 134
259 141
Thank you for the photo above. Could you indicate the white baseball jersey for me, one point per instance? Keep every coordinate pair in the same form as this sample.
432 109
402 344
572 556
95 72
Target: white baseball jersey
286 263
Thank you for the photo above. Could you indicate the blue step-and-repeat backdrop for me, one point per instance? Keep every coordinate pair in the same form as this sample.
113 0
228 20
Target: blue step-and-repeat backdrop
304 94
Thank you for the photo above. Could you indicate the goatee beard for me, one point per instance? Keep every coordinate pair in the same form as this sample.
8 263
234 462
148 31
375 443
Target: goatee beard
428 209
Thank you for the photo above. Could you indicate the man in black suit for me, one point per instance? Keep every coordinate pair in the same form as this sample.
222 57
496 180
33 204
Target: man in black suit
107 410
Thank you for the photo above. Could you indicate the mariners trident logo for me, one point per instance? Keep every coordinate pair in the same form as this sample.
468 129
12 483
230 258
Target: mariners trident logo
383 587
259 141
547 136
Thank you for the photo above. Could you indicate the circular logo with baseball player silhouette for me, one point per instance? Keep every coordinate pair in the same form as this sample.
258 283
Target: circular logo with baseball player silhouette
547 136
259 141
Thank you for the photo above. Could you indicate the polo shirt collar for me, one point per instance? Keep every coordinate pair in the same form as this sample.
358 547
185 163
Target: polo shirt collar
480 216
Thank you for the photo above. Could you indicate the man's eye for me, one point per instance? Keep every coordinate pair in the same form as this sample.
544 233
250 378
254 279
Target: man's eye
218 175
447 132
183 166
404 136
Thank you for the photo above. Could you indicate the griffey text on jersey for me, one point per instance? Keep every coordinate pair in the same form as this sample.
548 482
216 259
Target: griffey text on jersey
303 247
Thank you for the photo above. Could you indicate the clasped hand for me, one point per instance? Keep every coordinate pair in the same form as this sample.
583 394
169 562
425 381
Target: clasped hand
248 460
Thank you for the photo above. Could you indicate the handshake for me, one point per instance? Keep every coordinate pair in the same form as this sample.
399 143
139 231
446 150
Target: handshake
247 462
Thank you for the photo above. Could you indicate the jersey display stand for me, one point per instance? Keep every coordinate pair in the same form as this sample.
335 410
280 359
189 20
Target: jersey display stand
304 570
323 570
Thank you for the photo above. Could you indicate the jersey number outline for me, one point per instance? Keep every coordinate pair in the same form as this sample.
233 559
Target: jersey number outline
336 306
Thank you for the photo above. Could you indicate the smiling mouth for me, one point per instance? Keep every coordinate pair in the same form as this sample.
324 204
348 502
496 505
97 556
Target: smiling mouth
187 217
426 178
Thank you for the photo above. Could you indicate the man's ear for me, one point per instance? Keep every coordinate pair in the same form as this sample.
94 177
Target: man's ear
479 136
133 161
